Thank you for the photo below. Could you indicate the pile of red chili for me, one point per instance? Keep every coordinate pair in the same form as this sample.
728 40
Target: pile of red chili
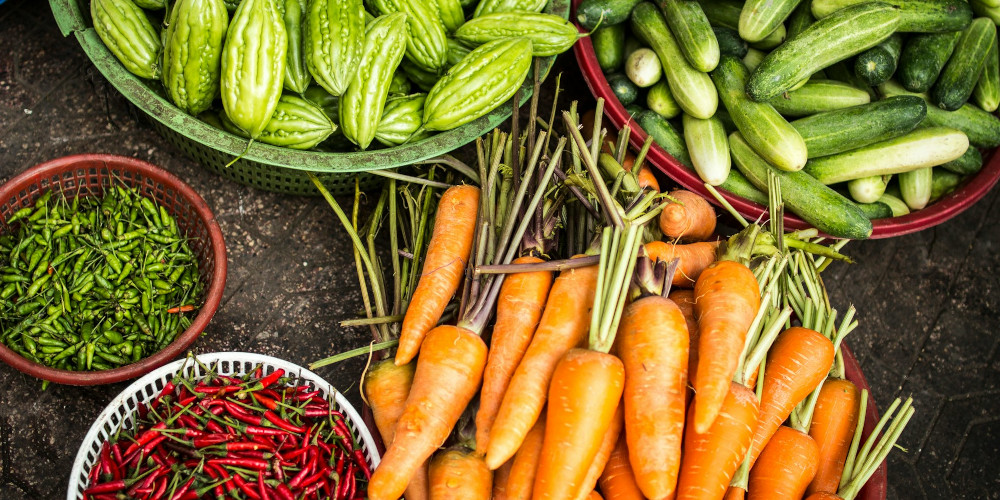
221 437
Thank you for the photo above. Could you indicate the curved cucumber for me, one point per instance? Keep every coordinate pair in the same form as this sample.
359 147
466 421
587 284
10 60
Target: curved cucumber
895 204
943 182
923 57
609 46
969 163
817 96
607 12
760 18
916 16
878 63
665 135
727 13
960 75
987 91
708 148
845 129
729 41
738 184
982 128
693 33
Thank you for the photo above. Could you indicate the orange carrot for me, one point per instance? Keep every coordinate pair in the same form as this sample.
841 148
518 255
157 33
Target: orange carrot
447 376
583 397
447 253
603 454
617 481
519 307
785 467
459 474
500 478
564 325
833 423
693 258
647 179
726 301
524 465
798 361
735 493
654 350
386 388
594 495
685 301
823 495
711 458
692 219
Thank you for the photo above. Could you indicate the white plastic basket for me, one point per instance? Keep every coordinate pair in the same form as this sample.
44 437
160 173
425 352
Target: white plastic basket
121 411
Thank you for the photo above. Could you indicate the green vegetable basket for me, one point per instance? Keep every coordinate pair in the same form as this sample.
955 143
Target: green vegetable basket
263 166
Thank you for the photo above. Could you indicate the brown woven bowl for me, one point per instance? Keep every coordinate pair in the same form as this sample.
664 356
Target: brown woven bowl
90 174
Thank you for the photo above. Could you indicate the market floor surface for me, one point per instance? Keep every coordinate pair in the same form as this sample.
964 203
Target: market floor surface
929 303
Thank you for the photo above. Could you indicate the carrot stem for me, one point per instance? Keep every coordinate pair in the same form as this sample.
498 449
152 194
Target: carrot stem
608 204
394 175
454 163
549 265
852 453
375 346
860 467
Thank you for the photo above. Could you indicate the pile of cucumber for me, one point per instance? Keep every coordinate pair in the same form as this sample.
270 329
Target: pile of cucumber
863 109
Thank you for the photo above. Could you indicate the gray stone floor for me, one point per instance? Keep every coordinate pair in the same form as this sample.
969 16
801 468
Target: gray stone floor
929 303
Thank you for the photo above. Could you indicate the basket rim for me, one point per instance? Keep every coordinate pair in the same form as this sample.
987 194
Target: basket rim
363 431
213 296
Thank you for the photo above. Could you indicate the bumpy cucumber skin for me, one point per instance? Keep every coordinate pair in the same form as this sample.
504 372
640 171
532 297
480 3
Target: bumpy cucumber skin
192 53
730 42
987 92
128 34
845 129
982 128
916 16
969 163
665 135
694 35
922 59
623 88
959 76
253 65
818 96
761 17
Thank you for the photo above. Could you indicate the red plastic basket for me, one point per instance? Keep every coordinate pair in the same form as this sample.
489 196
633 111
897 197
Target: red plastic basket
967 194
89 175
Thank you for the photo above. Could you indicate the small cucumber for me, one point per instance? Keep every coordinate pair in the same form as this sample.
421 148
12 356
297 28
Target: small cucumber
632 44
665 135
800 19
694 35
878 63
876 210
843 71
924 147
817 96
730 41
660 101
895 204
982 128
727 13
841 35
960 75
868 189
916 16
606 12
817 204
753 59
764 129
738 184
643 68
943 182
727 120
708 147
915 187
609 46
923 57
759 18
692 89
987 91
969 163
623 88
850 128
984 10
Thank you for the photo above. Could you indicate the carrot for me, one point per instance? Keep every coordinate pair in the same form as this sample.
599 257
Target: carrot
519 308
603 454
617 480
685 301
647 179
524 465
563 325
594 495
694 258
796 364
654 350
833 423
500 478
726 301
735 493
583 397
785 467
711 458
823 495
691 218
447 376
447 253
459 474
386 388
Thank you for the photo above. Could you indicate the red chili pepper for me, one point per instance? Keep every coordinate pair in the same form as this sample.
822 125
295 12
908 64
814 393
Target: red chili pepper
281 423
284 492
245 487
262 488
299 478
315 412
362 462
246 463
109 487
160 489
146 437
345 484
266 382
269 403
180 309
265 431
271 393
305 396
211 440
248 446
183 489
298 452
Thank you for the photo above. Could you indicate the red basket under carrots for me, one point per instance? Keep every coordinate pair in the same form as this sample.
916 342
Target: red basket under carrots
89 175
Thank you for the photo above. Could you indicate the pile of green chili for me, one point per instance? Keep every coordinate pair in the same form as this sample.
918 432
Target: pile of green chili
94 283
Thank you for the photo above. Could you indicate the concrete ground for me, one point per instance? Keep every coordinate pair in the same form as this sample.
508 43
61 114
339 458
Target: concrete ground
928 303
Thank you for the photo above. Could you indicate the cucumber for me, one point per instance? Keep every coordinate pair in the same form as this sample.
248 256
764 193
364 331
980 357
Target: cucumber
984 3
818 96
878 63
800 19
632 44
924 147
727 13
843 71
692 89
643 68
982 128
895 204
915 187
606 12
759 18
730 41
753 59
876 210
660 101
845 129
665 135
987 92
739 185
969 163
841 35
708 148
916 16
922 59
694 35
943 182
868 189
727 120
960 75
817 204
764 129
623 88
609 47
983 10
776 38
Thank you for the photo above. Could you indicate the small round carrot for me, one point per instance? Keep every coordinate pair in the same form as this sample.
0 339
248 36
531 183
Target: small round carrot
833 422
647 179
386 389
617 480
524 465
460 474
711 458
785 467
603 454
444 263
693 258
691 218
584 395
727 297
797 363
447 376
500 477
564 324
519 308
685 302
